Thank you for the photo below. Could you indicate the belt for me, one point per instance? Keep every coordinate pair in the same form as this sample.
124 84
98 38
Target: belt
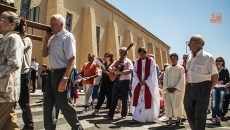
198 84
58 70
122 80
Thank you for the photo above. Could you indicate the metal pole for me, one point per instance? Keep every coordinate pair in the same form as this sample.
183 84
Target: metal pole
186 45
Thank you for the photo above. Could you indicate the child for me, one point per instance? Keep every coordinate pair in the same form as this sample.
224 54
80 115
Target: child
74 92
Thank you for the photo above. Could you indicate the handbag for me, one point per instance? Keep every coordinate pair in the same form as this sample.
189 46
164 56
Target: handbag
4 83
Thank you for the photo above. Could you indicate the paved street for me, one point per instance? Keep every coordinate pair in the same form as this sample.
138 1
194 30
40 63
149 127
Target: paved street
90 122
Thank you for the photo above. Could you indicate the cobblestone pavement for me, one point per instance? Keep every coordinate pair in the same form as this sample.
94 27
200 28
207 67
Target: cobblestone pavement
97 122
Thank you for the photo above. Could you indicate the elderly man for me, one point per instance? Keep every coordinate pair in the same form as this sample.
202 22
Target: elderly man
202 76
61 49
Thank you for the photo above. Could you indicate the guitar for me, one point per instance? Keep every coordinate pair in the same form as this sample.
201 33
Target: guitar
119 64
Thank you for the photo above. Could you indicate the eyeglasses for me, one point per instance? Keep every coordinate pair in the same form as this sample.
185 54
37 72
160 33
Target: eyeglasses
219 61
2 19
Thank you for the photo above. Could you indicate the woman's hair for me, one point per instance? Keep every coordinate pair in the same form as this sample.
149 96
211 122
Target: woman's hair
110 55
222 61
20 23
44 65
34 59
22 26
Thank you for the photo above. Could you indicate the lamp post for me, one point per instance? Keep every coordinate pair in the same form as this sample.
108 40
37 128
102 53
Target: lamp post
186 45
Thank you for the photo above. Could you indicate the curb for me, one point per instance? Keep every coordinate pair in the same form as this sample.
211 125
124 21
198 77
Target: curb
41 95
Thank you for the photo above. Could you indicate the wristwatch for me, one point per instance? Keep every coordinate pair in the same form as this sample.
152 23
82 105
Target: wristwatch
65 77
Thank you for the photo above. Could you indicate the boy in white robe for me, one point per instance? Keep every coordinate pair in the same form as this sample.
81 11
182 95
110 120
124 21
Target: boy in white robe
173 89
146 99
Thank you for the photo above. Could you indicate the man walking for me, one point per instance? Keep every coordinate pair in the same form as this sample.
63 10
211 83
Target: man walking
202 76
145 90
61 49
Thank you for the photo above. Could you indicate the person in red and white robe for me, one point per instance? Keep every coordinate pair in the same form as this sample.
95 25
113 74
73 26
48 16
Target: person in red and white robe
145 103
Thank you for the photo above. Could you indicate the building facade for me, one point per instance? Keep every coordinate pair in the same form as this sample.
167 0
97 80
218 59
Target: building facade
98 27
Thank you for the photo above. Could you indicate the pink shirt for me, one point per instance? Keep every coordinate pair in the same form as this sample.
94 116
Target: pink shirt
128 65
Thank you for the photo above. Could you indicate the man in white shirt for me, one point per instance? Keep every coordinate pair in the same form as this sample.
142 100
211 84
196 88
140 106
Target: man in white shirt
202 76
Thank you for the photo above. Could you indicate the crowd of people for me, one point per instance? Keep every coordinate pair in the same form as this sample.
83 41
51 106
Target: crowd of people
178 91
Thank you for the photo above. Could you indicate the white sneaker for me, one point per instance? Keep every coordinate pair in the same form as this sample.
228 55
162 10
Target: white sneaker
75 104
85 110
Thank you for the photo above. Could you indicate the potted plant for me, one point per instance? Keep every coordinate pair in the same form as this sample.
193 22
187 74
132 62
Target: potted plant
7 5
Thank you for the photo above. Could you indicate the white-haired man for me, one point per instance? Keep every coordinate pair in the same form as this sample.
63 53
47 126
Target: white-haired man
61 49
202 76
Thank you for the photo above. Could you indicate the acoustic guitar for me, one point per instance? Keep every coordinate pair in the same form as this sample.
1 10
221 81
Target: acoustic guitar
119 65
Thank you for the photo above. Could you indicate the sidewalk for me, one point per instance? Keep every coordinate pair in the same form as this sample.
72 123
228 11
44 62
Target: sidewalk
38 93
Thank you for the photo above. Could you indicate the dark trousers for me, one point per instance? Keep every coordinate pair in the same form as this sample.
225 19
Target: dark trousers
119 88
33 79
54 100
226 104
196 101
24 102
105 90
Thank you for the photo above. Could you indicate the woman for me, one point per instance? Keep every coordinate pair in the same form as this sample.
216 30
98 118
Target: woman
106 86
11 54
34 73
44 76
173 89
218 93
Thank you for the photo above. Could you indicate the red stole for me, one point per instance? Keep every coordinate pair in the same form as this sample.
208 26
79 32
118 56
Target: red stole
148 96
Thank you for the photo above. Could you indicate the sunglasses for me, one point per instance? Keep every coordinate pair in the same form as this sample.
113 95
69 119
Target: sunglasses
219 61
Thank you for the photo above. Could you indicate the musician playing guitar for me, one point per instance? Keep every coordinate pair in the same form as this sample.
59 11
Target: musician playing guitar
121 84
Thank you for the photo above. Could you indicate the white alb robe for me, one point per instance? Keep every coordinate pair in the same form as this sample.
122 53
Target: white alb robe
174 77
139 112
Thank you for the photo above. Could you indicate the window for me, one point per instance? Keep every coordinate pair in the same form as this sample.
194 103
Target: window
68 21
25 6
34 14
98 38
119 40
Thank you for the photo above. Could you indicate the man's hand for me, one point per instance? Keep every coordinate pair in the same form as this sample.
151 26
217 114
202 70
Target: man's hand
117 72
171 90
48 35
62 85
142 83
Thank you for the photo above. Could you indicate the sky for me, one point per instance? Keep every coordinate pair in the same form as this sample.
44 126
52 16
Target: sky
175 21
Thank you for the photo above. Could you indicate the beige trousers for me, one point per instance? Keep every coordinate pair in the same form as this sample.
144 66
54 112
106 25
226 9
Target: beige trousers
8 116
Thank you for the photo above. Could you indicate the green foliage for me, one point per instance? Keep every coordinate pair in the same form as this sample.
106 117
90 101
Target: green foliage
6 3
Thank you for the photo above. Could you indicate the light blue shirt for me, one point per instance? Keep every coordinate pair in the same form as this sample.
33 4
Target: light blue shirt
61 48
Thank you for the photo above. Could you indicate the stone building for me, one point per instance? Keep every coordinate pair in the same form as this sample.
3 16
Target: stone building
97 25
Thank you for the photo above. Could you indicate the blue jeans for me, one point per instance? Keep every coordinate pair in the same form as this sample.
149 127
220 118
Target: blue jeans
218 94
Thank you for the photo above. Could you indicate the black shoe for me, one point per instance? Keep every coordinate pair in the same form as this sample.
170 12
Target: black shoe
178 121
32 91
168 124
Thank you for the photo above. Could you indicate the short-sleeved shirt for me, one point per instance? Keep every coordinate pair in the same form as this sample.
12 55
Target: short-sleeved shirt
88 70
27 55
128 65
201 67
61 48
